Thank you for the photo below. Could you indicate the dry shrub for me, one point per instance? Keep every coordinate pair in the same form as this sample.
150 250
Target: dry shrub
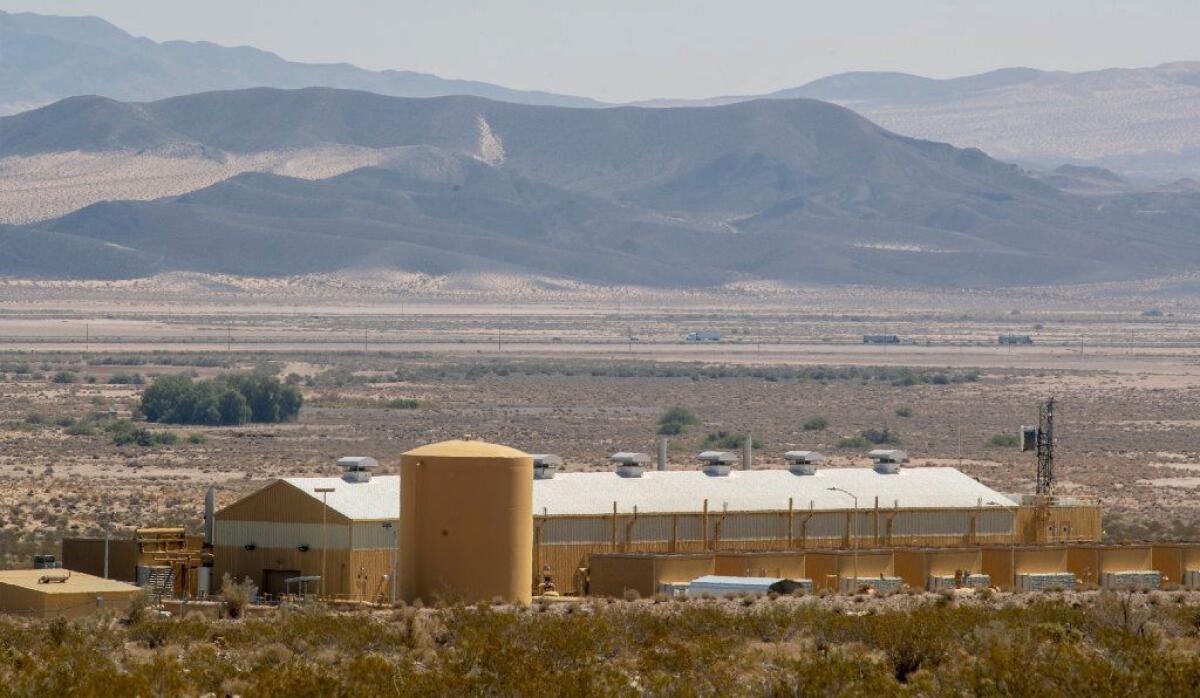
236 595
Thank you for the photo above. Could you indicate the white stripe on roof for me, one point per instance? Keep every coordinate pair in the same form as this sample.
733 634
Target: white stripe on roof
678 491
375 499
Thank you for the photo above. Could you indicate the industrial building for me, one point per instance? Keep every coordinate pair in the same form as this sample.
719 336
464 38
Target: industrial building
805 506
48 593
298 532
472 506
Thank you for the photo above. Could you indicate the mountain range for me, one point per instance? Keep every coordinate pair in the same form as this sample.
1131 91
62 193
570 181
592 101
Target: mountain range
45 58
796 190
1141 122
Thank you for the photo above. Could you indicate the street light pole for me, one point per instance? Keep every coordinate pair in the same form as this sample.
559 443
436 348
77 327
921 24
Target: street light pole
854 528
324 530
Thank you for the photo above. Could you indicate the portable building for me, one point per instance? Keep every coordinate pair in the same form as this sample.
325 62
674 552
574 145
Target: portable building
60 592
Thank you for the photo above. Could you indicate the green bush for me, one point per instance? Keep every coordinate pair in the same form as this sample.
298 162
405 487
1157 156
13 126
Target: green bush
816 424
402 403
1004 441
904 411
852 442
65 377
676 420
126 379
879 436
727 441
231 399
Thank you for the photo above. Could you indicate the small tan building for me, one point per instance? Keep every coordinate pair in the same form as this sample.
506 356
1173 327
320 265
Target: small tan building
48 593
343 528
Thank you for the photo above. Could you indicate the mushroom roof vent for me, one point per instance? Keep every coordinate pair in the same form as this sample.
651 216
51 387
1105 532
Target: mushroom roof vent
544 465
357 468
630 464
888 460
803 462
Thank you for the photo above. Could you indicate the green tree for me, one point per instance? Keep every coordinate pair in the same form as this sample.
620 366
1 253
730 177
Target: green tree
232 407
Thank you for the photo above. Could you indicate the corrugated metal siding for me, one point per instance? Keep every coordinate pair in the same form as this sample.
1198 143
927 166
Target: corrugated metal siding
280 534
371 535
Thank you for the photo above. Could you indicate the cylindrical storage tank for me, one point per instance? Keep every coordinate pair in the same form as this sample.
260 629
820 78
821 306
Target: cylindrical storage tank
466 522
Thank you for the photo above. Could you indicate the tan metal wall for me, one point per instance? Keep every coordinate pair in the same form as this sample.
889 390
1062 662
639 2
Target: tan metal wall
563 543
782 564
1002 564
827 568
1089 563
916 566
613 574
87 555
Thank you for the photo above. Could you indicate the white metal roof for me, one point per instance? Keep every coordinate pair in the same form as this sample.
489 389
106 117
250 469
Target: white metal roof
375 499
678 491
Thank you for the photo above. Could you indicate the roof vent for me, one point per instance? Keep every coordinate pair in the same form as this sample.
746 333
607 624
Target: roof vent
717 463
357 468
630 464
888 460
803 462
544 465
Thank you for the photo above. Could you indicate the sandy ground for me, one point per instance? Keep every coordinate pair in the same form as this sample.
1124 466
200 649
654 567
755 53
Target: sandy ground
564 377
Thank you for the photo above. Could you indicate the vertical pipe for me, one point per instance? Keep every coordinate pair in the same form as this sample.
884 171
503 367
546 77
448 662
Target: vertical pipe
876 531
210 508
662 453
106 529
674 532
704 523
748 452
613 542
789 523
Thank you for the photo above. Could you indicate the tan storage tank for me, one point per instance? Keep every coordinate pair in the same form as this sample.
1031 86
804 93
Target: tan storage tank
466 522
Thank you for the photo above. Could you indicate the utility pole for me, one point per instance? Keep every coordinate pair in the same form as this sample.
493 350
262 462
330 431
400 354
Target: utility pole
228 336
324 491
87 338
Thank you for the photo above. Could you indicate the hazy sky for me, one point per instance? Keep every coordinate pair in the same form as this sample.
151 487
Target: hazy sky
631 49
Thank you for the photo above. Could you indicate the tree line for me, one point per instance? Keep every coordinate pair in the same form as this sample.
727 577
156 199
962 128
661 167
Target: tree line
228 399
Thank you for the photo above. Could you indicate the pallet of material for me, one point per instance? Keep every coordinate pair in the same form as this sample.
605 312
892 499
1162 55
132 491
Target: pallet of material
970 581
1142 579
850 584
1045 581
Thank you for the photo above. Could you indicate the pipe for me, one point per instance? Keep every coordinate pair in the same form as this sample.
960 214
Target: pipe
748 452
662 453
